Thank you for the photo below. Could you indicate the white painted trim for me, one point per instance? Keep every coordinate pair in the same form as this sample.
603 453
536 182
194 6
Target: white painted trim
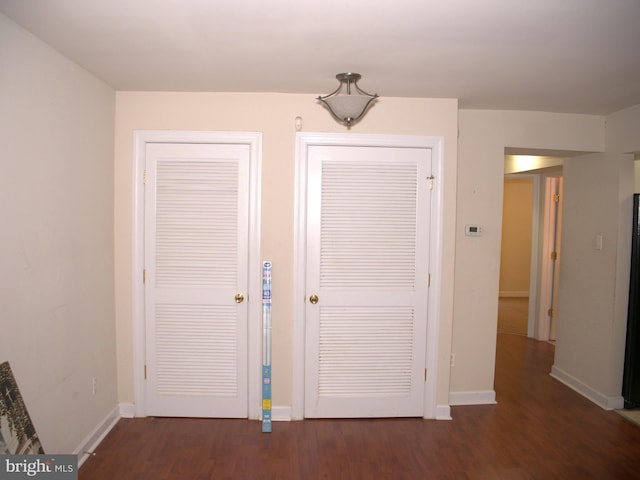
254 375
543 324
137 261
299 276
303 141
443 412
603 401
431 410
127 410
480 397
534 292
254 140
281 413
91 442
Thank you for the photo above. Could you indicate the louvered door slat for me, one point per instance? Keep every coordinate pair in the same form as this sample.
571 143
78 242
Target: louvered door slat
367 262
196 223
197 220
196 350
368 229
365 351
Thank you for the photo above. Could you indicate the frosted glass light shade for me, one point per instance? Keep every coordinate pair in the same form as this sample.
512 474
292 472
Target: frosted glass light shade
348 106
348 103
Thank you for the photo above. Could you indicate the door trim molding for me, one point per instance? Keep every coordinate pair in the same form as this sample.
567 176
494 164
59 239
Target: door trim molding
549 234
303 141
254 360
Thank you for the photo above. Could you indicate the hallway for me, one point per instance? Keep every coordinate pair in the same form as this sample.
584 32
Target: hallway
513 313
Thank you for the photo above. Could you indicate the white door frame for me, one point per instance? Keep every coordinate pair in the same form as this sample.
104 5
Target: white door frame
254 360
303 142
548 266
535 258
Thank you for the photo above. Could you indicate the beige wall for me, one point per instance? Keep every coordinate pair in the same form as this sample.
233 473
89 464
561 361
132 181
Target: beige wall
588 325
56 248
273 115
515 257
594 284
484 135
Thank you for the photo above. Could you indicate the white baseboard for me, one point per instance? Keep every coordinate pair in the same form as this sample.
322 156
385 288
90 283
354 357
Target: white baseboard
127 410
603 401
482 397
443 412
280 413
92 440
515 294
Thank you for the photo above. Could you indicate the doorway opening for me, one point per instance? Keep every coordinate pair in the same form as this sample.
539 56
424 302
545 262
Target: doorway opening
515 264
530 252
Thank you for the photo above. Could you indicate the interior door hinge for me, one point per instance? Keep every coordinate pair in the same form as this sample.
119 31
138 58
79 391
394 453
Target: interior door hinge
431 178
550 312
144 177
145 372
556 197
144 276
554 255
429 280
425 374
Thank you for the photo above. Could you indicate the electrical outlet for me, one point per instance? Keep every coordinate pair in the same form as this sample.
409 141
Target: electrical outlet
94 385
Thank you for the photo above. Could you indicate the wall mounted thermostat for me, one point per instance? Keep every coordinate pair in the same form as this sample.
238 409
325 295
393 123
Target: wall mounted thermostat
472 230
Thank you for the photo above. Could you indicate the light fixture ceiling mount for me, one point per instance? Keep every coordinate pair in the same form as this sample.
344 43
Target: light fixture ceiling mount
348 103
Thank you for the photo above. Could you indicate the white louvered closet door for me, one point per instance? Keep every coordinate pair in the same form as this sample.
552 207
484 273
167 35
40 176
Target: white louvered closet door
367 263
196 255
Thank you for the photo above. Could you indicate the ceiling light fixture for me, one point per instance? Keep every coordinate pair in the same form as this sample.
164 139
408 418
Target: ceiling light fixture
348 103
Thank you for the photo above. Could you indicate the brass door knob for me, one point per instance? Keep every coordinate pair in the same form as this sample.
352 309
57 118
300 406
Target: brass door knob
313 299
239 298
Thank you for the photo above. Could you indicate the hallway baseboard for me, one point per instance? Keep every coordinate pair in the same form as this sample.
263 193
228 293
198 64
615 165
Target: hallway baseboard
486 397
604 401
514 294
89 444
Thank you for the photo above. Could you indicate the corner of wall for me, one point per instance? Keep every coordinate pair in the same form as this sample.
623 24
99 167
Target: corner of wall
604 401
91 441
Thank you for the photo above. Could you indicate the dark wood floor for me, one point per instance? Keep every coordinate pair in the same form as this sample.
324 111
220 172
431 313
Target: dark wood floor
539 429
513 315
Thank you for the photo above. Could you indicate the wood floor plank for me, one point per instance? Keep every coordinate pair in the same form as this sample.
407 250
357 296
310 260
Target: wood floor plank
513 315
539 430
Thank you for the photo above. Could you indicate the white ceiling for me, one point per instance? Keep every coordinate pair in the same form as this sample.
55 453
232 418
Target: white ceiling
579 56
